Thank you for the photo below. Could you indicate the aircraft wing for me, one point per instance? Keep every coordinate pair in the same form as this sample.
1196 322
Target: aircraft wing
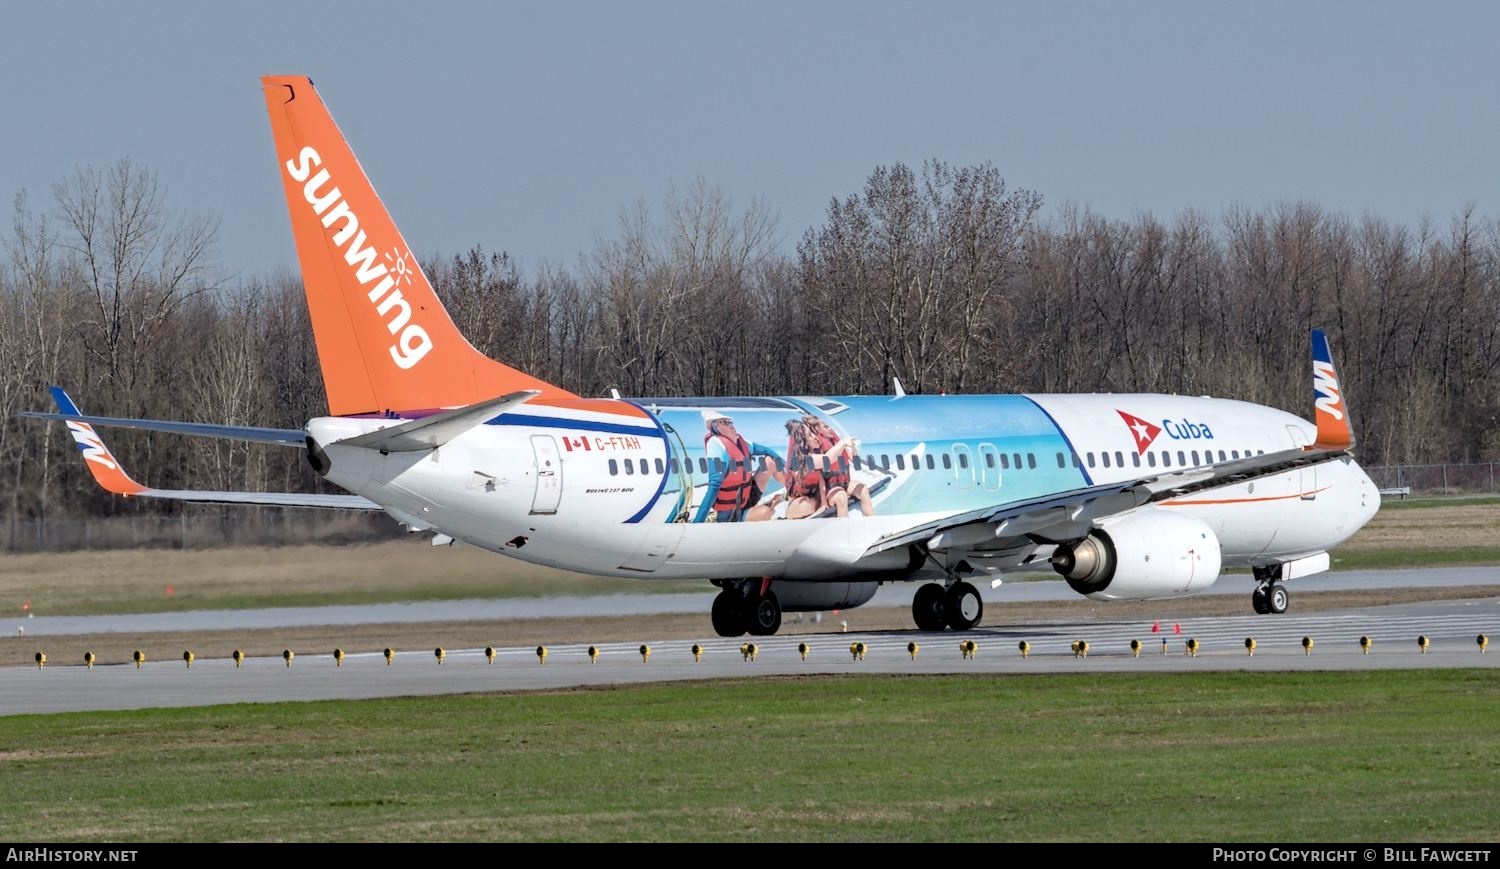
287 437
1069 515
108 473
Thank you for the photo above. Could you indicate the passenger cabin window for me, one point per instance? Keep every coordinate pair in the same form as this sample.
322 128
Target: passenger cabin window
1004 462
1091 459
1151 459
930 465
1031 461
702 465
1119 459
1104 459
1181 459
1166 459
947 462
614 468
989 460
673 463
1221 456
629 467
661 467
1195 458
1135 460
963 460
857 464
1060 462
900 462
1076 463
1016 457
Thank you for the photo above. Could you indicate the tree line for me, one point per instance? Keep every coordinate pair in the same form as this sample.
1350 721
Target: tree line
942 276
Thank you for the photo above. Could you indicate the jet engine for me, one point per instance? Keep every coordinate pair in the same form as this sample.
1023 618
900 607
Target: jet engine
1147 553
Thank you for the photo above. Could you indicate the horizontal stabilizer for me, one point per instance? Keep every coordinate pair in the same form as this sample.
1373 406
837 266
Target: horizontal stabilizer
109 474
431 432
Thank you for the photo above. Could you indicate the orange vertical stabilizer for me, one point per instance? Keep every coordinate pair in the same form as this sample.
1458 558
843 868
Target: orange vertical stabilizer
384 341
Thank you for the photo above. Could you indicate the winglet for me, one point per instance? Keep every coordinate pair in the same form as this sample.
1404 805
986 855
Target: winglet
1330 411
101 462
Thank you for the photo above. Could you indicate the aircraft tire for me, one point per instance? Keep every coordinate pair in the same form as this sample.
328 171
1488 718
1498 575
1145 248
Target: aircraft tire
726 616
1277 599
962 606
1258 600
763 618
927 608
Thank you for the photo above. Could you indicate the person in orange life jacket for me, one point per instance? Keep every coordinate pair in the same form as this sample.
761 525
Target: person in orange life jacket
840 452
803 480
734 487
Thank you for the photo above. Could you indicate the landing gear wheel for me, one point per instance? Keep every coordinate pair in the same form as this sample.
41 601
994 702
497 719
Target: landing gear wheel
1277 599
927 608
1258 600
764 616
727 618
962 606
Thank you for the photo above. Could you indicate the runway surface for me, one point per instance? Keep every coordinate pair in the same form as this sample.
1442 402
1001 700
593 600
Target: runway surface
1451 627
898 594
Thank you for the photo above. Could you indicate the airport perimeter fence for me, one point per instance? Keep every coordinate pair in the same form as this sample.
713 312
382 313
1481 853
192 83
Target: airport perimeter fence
236 527
1479 478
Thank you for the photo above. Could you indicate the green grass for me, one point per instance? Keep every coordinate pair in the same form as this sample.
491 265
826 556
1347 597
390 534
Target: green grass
1253 757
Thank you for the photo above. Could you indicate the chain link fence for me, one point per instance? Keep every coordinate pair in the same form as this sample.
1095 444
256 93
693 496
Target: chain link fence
1480 478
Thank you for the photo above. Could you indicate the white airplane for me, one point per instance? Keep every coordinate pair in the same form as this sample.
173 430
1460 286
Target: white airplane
787 504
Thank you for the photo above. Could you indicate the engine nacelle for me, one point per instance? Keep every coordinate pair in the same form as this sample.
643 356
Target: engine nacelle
811 597
1143 554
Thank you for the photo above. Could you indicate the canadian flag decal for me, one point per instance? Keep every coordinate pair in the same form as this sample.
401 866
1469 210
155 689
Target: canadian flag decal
1143 432
570 443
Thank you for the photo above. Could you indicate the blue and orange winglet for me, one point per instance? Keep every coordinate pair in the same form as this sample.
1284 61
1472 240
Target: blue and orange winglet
1329 410
101 462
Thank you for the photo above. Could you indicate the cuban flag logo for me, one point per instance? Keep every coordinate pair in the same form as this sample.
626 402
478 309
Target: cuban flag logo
1143 432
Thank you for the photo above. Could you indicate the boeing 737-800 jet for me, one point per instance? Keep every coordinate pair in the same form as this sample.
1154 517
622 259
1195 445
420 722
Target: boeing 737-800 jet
790 503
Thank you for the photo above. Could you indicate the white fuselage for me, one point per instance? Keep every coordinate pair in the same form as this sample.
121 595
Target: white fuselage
618 494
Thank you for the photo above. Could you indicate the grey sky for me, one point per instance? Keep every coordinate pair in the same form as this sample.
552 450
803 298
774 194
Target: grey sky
527 127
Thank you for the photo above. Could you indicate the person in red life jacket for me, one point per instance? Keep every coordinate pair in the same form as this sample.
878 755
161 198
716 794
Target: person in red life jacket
840 452
806 490
734 484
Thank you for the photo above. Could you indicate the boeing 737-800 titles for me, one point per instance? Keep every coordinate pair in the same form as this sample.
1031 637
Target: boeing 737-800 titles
787 503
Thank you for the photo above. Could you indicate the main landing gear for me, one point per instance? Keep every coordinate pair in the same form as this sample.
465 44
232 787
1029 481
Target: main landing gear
958 606
746 606
1270 596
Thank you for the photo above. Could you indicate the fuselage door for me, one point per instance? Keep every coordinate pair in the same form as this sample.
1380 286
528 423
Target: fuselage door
548 474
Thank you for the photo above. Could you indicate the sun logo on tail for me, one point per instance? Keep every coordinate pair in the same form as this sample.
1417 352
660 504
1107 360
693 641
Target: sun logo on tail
400 265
